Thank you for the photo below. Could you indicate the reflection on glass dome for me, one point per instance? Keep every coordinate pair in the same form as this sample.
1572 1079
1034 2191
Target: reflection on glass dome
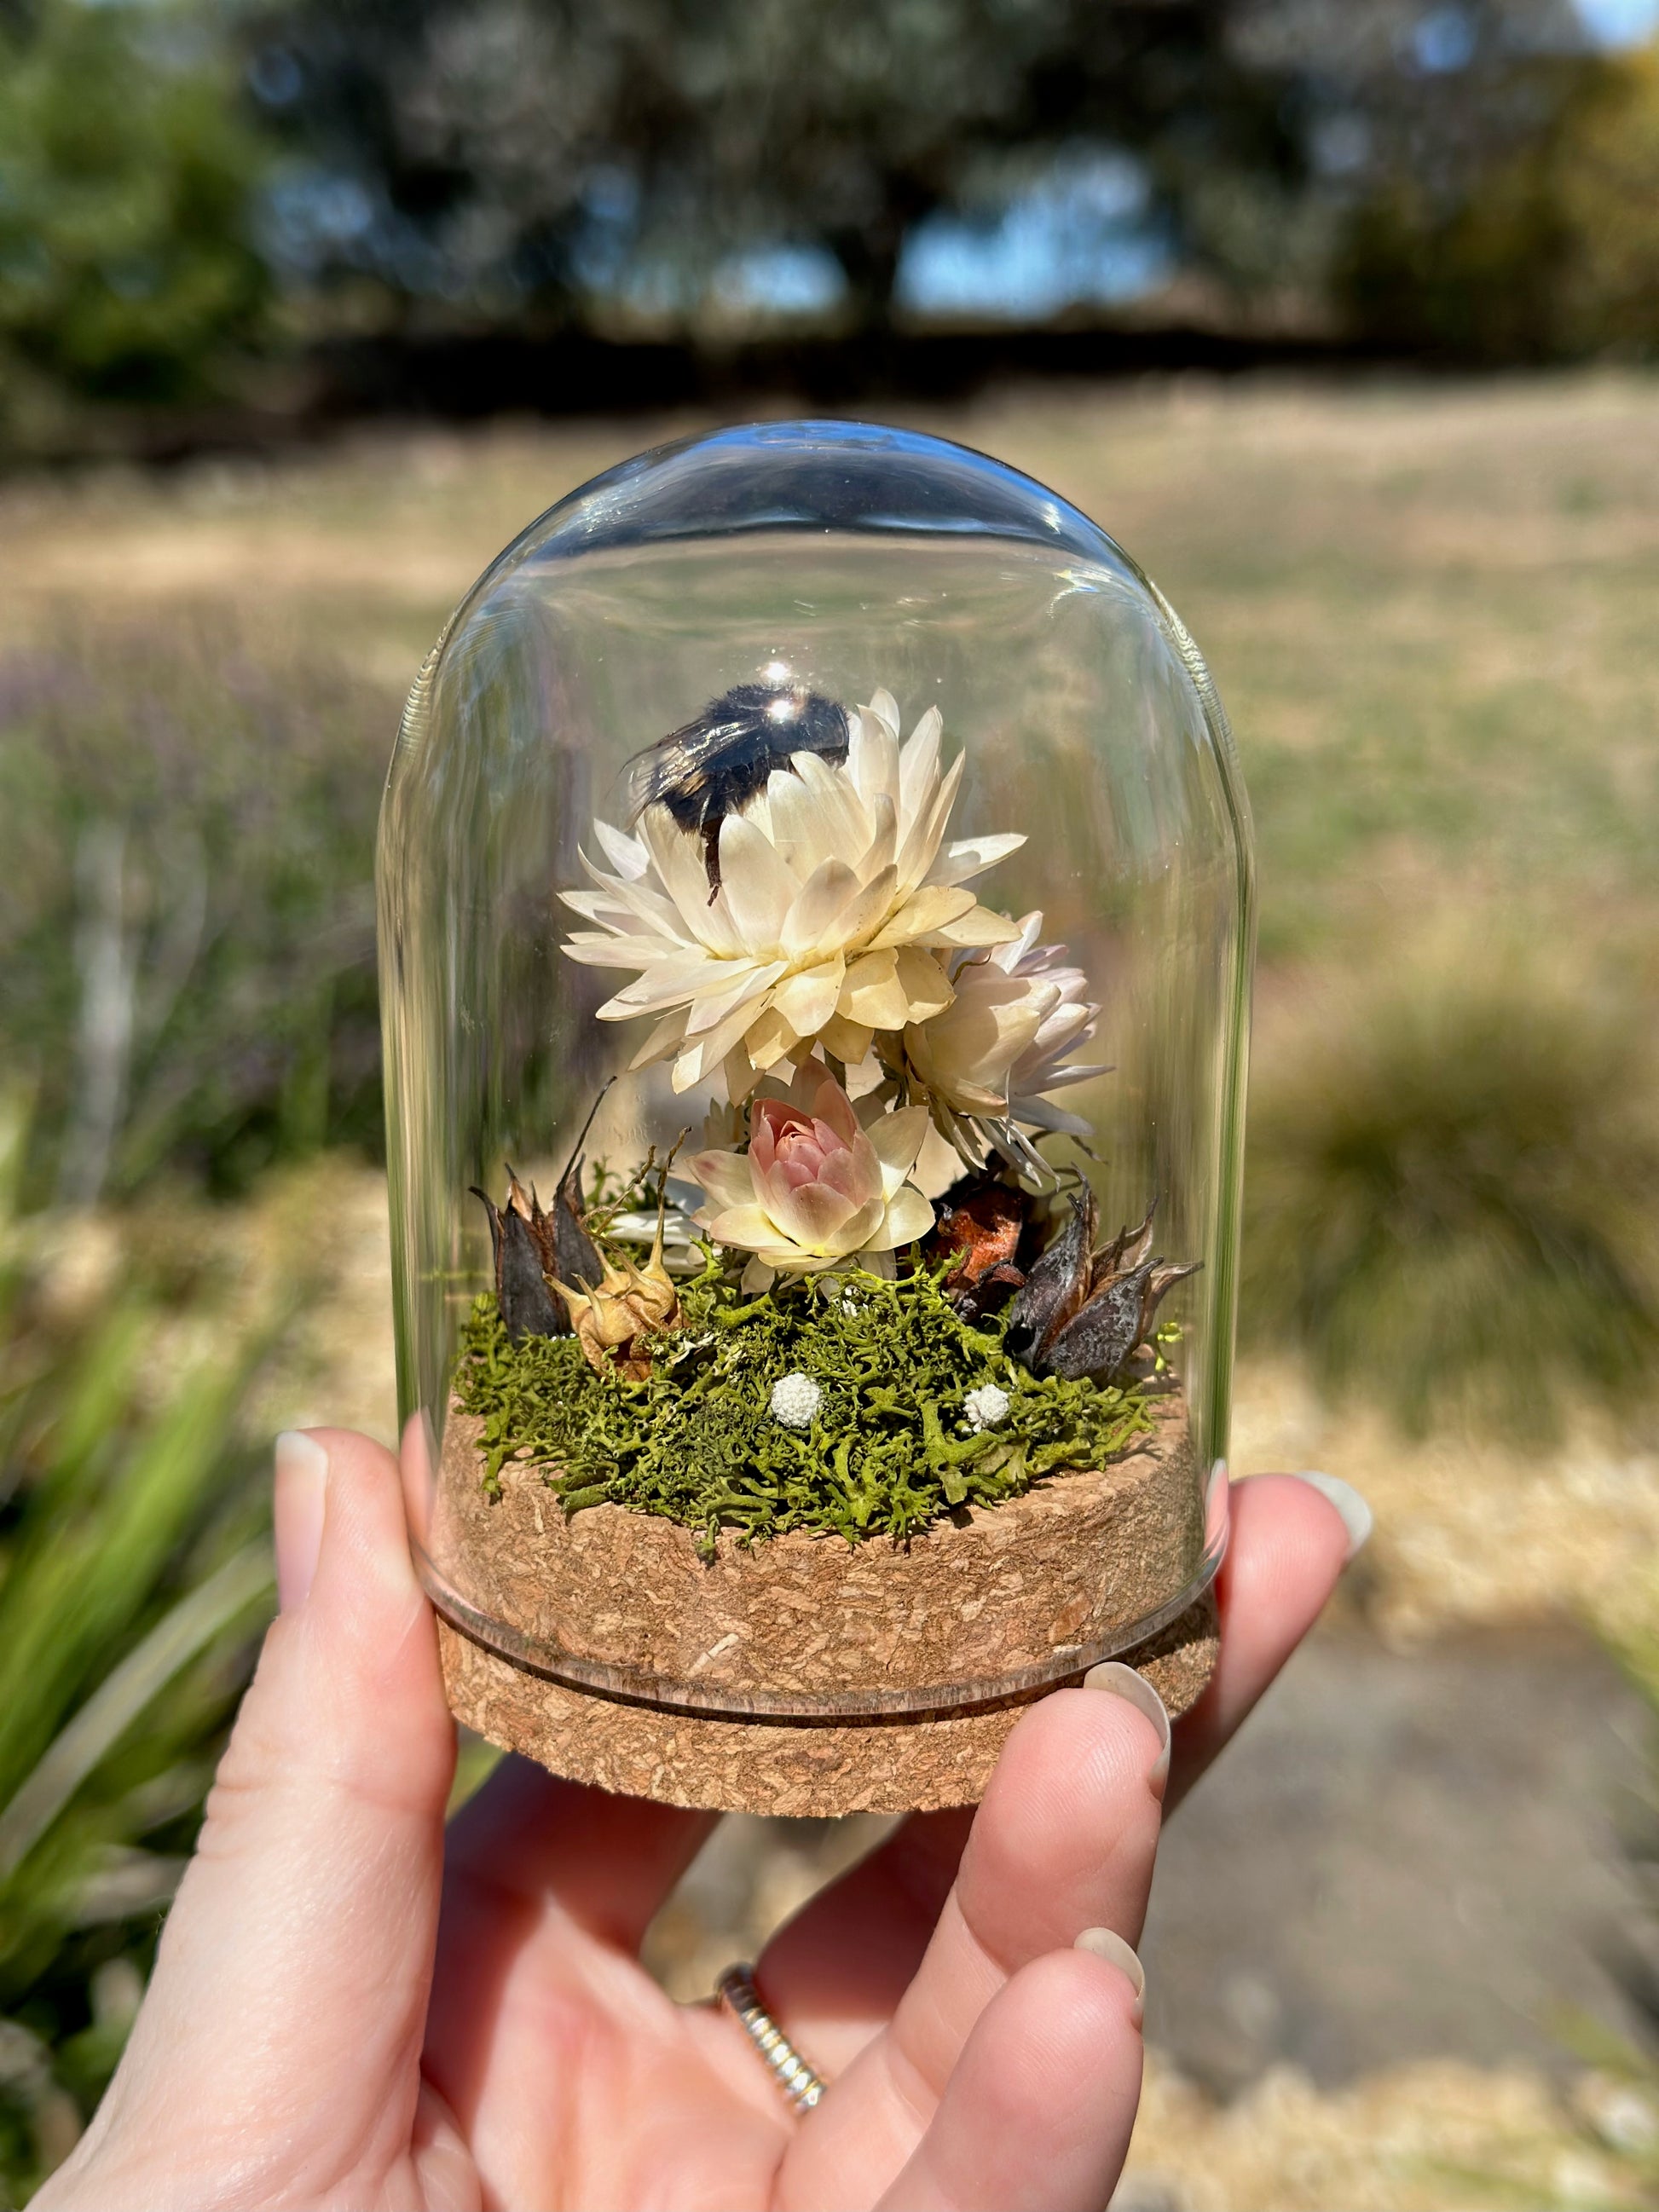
815 859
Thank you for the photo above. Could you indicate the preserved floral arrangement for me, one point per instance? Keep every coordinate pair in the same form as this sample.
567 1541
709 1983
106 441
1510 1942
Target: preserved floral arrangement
783 1331
842 1356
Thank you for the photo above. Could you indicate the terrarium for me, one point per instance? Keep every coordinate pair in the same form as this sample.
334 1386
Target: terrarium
815 921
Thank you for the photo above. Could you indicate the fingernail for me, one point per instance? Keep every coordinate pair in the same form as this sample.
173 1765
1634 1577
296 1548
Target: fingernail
1123 1682
1355 1514
1106 1943
301 1482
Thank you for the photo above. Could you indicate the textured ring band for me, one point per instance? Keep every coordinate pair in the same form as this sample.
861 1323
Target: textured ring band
736 1990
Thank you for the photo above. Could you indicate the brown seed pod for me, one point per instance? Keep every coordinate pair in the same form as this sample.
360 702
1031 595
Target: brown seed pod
1081 1312
530 1247
982 1220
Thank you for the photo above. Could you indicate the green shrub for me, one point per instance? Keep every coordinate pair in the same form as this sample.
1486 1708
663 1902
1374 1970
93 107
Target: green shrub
1452 1195
134 1576
1547 250
127 270
186 911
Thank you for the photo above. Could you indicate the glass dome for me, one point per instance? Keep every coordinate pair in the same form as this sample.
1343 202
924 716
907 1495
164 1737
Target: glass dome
815 914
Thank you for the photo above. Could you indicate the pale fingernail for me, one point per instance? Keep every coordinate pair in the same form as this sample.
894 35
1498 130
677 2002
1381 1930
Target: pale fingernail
1123 1682
1355 1514
1106 1943
1218 1500
297 1511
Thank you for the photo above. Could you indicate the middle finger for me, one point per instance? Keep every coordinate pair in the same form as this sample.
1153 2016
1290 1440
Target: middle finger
1065 1840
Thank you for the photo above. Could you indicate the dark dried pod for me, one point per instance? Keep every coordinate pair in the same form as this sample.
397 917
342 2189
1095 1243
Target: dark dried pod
1085 1313
1056 1287
525 1303
530 1247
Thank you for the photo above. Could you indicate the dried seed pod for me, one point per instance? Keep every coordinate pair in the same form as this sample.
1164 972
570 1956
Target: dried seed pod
982 1220
526 1305
618 1310
531 1246
1056 1287
1081 1312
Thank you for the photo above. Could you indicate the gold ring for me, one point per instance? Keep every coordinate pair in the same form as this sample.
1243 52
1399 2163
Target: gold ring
736 1990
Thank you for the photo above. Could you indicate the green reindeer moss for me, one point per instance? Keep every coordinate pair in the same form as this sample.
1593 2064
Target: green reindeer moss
890 1448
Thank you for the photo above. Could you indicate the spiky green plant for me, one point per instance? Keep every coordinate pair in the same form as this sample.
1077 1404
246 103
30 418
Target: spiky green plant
1452 1194
134 1576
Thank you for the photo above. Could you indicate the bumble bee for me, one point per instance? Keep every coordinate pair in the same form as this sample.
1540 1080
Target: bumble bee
718 763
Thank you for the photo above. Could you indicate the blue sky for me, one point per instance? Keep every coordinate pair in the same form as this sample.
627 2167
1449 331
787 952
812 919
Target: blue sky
1620 22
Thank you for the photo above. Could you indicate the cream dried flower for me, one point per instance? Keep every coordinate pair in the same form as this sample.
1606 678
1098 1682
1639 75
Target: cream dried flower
963 1057
839 905
814 1187
1046 1063
1005 1041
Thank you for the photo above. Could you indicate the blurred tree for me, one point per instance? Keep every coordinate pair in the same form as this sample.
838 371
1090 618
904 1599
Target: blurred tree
1541 243
126 266
526 155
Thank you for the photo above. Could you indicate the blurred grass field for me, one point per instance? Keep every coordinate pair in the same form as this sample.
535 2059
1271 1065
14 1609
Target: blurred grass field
1430 610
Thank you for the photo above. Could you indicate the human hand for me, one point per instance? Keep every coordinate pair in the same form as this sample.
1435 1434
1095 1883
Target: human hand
318 2032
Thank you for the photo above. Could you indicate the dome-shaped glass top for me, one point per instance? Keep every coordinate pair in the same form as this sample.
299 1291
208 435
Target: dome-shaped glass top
823 844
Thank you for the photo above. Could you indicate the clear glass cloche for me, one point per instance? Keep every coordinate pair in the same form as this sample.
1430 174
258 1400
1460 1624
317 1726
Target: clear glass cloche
816 912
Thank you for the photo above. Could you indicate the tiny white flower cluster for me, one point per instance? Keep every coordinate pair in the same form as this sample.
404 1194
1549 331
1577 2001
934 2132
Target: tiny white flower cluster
985 1406
795 1401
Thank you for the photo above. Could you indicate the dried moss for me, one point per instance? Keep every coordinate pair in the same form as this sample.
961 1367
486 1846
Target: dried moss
889 1451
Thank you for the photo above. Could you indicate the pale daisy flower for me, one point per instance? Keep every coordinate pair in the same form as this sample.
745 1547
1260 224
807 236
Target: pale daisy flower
840 905
1005 1039
1046 1063
814 1187
963 1057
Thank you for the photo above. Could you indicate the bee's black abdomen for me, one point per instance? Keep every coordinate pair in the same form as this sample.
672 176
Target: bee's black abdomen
719 764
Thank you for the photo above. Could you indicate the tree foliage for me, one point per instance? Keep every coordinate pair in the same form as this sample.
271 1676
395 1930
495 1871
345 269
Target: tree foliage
528 153
126 264
1542 244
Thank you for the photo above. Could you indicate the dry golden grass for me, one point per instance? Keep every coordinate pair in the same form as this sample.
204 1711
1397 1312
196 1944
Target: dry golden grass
1429 606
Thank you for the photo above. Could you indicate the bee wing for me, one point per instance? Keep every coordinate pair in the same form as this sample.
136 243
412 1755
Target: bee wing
681 763
648 776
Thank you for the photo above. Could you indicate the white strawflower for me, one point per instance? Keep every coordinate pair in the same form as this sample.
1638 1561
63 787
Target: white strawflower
839 905
1007 1038
986 1406
1067 1023
795 1401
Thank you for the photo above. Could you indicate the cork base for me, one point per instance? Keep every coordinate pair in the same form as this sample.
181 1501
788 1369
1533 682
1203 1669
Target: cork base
895 1763
991 1600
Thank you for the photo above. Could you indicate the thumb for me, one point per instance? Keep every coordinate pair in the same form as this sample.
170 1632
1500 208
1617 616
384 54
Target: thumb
276 2056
